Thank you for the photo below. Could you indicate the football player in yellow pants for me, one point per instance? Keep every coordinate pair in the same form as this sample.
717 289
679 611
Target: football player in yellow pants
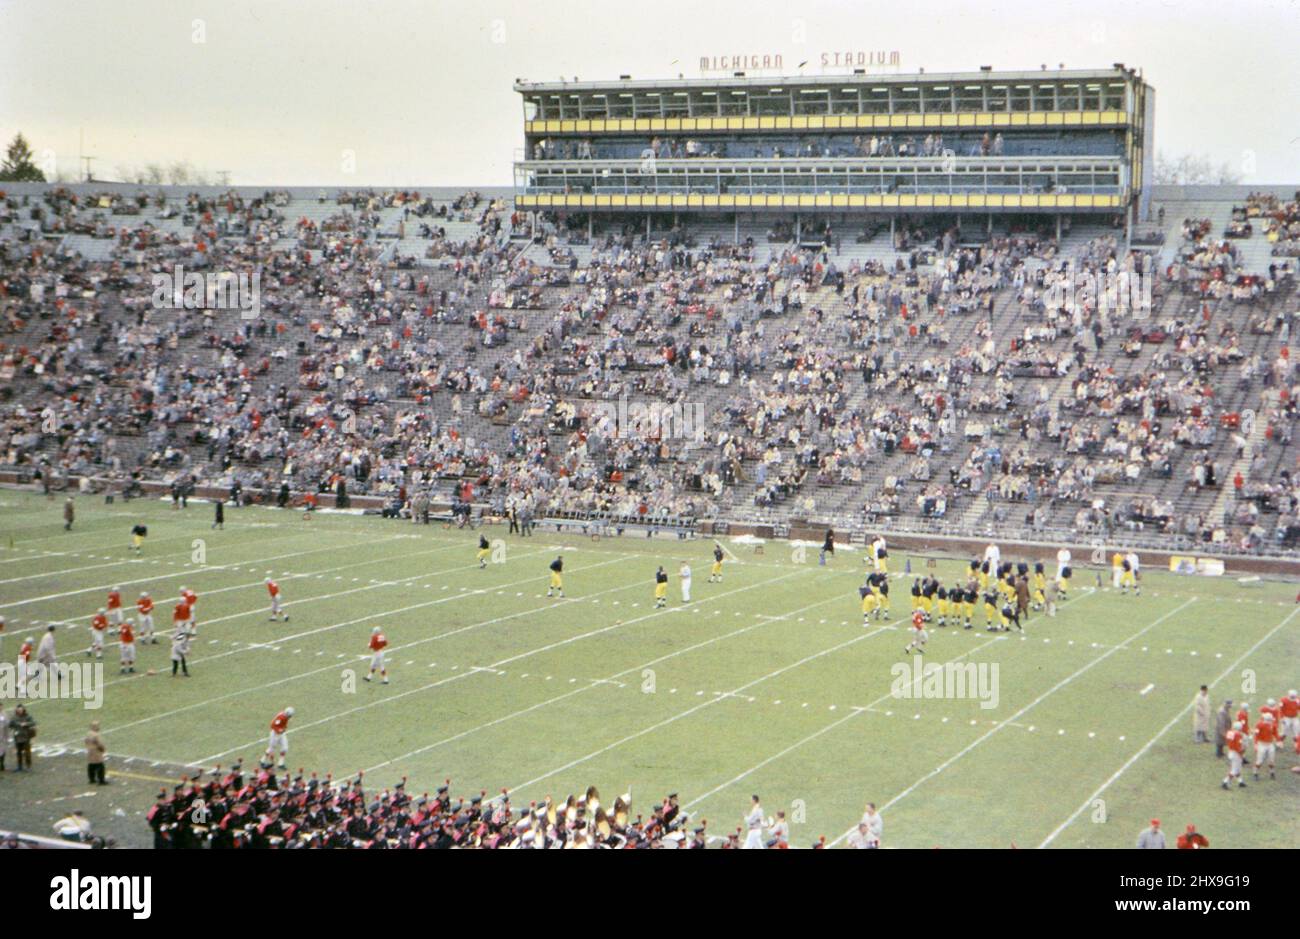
557 576
870 602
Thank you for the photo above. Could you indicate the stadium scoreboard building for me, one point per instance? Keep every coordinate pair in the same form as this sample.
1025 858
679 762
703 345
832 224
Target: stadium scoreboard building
1058 142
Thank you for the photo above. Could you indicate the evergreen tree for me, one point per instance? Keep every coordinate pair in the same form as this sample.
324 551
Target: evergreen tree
18 166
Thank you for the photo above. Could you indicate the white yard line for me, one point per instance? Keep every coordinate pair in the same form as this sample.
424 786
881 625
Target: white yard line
120 539
335 665
164 627
712 701
96 553
68 571
354 622
465 674
38 555
1114 777
93 553
1021 713
99 525
279 640
196 571
829 727
592 683
133 559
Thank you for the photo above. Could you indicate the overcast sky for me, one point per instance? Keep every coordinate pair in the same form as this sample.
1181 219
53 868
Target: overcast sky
279 91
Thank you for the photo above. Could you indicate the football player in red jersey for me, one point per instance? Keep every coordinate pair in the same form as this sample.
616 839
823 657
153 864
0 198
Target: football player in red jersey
1271 707
279 741
1243 715
190 599
1290 723
144 618
25 653
1235 741
378 643
115 606
98 626
919 638
126 646
181 636
277 611
1266 745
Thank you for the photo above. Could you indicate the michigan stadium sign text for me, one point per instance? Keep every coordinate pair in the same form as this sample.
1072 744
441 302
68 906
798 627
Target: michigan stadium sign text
722 63
849 58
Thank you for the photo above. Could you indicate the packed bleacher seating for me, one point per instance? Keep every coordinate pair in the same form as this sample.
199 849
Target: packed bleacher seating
416 345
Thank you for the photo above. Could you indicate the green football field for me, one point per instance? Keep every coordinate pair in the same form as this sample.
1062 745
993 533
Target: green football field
767 683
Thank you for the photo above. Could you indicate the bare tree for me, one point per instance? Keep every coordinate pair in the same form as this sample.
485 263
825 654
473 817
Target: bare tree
183 173
1193 170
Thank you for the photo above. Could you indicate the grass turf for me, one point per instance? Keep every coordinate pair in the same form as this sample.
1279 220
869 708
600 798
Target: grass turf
767 683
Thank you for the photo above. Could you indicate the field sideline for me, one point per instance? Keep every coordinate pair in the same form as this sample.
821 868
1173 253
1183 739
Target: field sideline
767 683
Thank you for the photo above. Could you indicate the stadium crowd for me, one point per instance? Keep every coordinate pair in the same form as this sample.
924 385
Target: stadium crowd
986 378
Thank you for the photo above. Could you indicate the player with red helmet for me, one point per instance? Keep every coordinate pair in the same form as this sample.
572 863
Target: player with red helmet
1235 741
378 643
115 606
277 610
279 740
919 637
1266 737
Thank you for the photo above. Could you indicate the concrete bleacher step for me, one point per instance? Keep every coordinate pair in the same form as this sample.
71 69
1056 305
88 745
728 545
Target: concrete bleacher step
90 248
1257 251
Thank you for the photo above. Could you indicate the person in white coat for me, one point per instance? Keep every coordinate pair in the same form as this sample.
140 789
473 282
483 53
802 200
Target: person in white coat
1201 716
46 657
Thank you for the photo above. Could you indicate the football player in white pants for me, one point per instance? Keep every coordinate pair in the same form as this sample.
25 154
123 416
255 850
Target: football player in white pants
875 825
919 636
378 643
126 646
98 626
144 618
684 572
1266 746
278 739
277 608
1290 708
1235 745
115 607
754 825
